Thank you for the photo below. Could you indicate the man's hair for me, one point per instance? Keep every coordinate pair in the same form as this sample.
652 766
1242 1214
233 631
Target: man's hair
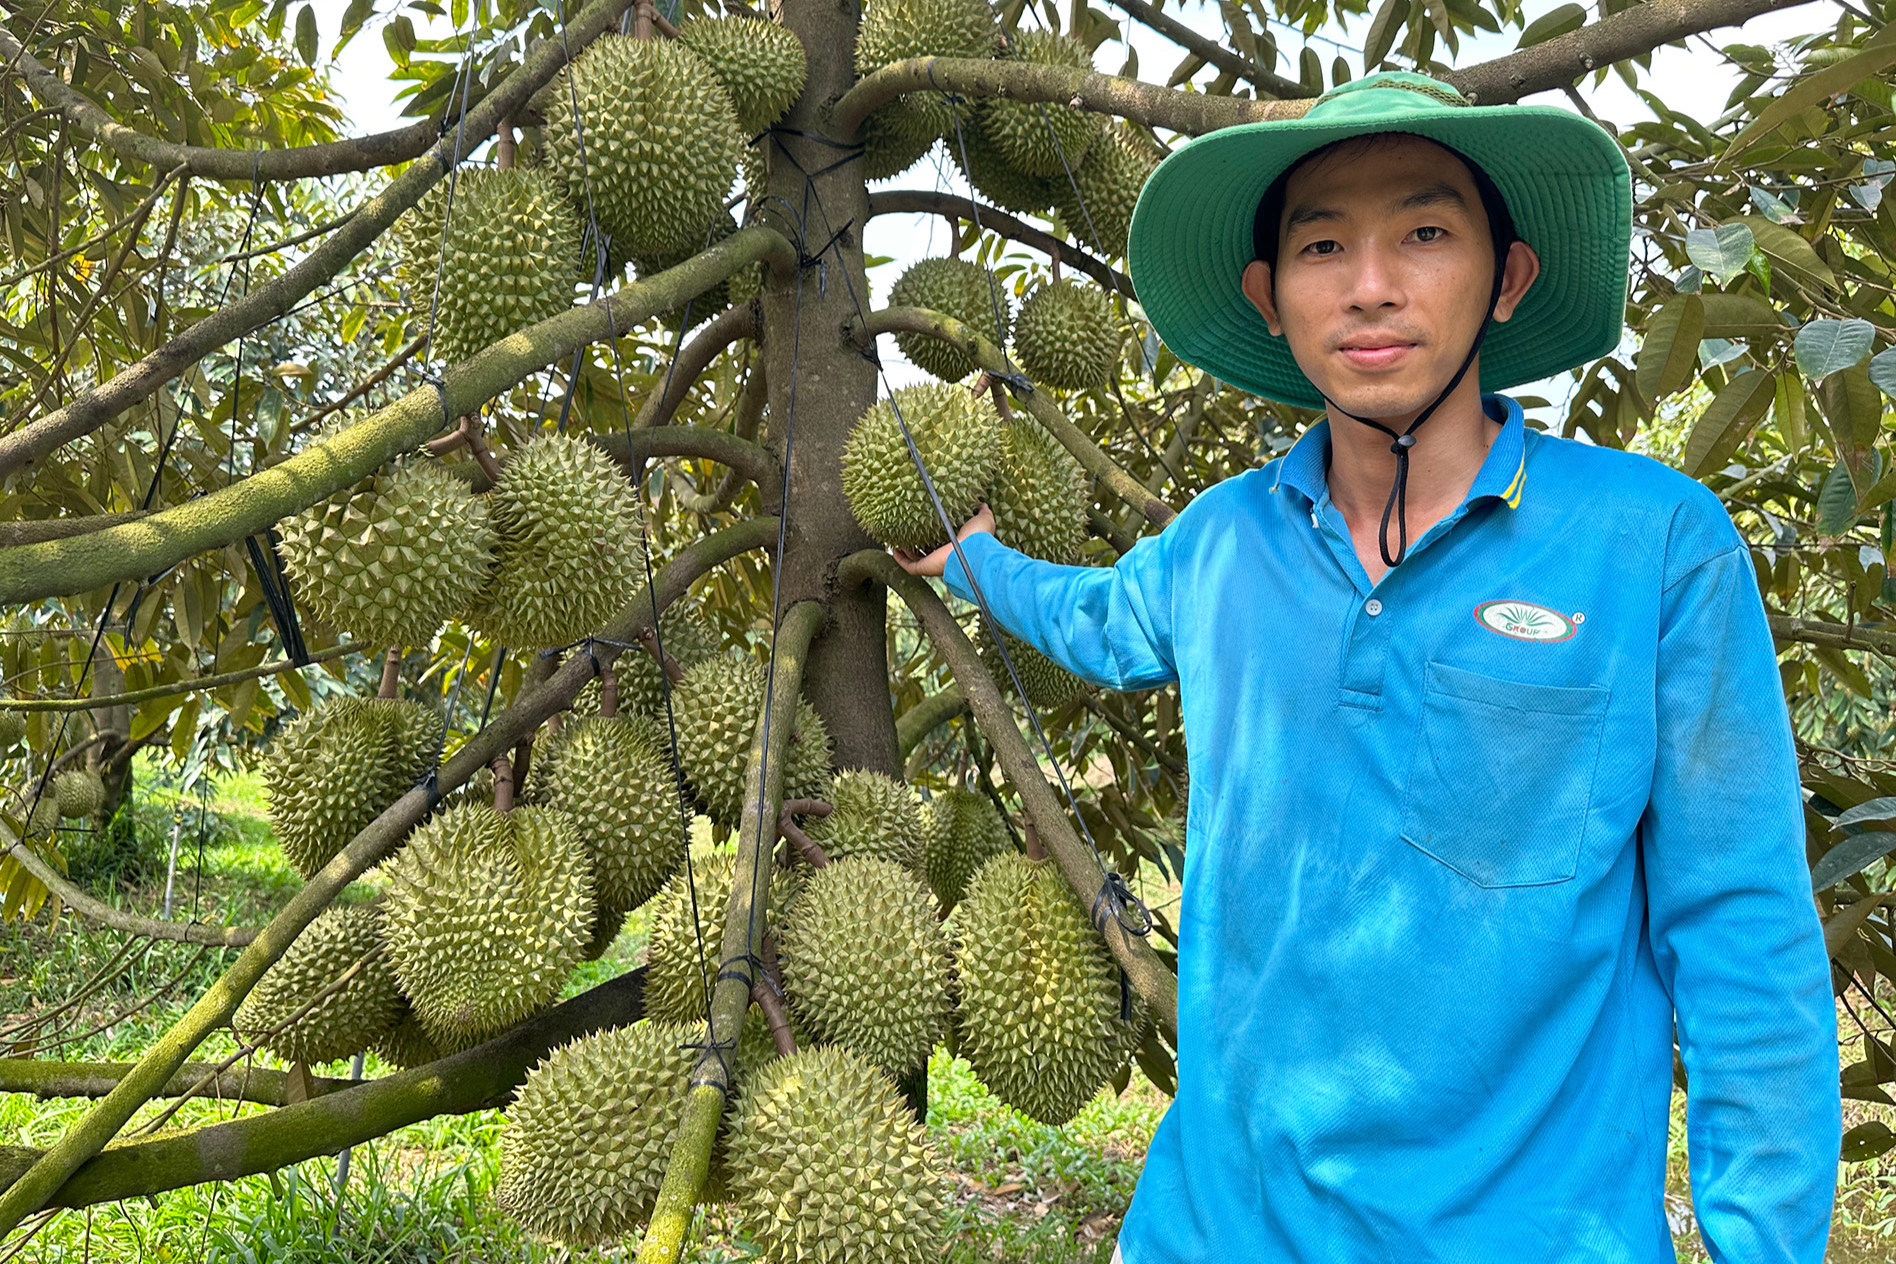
1270 208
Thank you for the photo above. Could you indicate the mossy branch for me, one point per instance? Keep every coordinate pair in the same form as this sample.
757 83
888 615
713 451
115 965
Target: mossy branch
1214 53
1039 403
196 684
926 716
95 407
956 208
93 910
46 1078
155 543
744 921
1150 976
741 321
481 1077
1834 635
214 1008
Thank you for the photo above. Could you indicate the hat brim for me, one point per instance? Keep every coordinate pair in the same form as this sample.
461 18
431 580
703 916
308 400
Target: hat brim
1563 178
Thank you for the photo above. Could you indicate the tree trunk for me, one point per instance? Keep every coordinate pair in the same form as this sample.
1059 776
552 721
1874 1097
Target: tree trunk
819 385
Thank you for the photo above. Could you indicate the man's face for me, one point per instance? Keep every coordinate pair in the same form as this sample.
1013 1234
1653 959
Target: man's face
1384 267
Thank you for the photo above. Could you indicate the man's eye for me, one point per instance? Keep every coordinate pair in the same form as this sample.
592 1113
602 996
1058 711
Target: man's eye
1322 248
1428 232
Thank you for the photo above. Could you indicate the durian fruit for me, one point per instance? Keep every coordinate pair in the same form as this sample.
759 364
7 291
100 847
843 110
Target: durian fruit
958 436
661 142
682 957
1039 994
408 1044
78 792
588 1137
487 913
954 287
893 30
1047 684
347 1020
718 706
962 832
875 815
1039 495
569 556
688 638
1067 336
623 801
12 731
894 138
1037 139
996 179
44 817
338 765
510 236
865 962
1108 185
607 923
829 1165
705 305
760 64
390 560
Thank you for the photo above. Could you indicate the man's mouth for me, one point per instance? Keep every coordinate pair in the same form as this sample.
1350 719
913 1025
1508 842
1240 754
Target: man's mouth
1375 353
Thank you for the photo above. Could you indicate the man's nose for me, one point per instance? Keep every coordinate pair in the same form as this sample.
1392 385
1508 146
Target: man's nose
1375 282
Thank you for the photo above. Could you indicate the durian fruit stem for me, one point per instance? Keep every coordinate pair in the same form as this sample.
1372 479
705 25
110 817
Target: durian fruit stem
609 691
1035 849
744 924
504 145
391 686
642 16
920 320
52 1168
503 783
667 664
786 825
767 993
1149 974
477 444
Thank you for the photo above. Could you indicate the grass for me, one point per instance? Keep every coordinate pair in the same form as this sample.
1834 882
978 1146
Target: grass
1022 1191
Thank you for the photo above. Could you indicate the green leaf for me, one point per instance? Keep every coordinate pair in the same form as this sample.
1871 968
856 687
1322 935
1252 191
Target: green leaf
358 12
1814 89
399 37
1382 33
1556 21
1883 371
1828 346
1874 812
1720 252
1669 355
1854 412
1740 316
1837 501
306 46
1788 409
1790 253
1866 1141
1727 420
1850 857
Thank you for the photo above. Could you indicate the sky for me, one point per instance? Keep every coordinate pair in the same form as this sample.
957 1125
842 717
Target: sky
1694 79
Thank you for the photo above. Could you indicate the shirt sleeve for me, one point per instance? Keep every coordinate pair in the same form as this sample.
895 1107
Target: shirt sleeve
1111 626
1733 927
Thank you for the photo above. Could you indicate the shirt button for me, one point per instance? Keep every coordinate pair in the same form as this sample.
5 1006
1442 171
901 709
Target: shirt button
1372 607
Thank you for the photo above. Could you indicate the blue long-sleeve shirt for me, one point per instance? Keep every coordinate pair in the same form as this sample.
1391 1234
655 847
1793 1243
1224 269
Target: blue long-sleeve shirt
1459 846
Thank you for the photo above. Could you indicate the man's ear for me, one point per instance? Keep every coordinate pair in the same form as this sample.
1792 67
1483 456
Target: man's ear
1256 284
1523 266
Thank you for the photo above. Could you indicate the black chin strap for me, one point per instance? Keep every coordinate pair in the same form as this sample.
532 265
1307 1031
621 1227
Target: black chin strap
1401 443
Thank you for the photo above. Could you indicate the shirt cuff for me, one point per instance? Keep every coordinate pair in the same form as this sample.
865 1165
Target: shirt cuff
955 575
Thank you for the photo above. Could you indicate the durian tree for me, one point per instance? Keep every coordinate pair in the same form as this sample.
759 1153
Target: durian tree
514 486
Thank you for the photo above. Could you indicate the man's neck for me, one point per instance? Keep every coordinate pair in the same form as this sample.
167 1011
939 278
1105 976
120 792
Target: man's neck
1449 449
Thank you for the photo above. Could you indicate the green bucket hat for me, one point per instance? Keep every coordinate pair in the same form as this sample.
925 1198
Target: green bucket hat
1563 178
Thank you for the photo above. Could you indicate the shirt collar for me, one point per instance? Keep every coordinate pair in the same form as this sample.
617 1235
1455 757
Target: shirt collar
1502 474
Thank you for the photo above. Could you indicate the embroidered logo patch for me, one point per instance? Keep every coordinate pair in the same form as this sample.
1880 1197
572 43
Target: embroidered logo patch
1525 621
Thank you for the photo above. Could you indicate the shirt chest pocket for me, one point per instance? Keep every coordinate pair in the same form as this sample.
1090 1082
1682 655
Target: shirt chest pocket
1501 777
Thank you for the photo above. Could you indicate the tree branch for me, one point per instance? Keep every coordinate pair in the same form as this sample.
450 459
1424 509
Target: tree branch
477 1078
95 407
1834 635
262 1085
118 919
1148 972
742 321
1214 53
744 922
1039 403
225 516
749 458
955 209
214 1008
926 716
194 685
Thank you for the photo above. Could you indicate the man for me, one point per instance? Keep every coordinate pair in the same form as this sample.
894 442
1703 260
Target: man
1491 771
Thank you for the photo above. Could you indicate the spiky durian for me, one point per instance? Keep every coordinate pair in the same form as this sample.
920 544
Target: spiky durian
43 819
393 558
1039 495
688 639
1037 139
718 706
408 1044
760 64
962 832
588 1137
568 557
865 963
875 815
338 765
607 923
510 242
993 177
894 138
623 800
1039 994
487 913
700 307
12 731
78 792
1108 184
1047 684
351 1017
892 30
958 436
661 143
829 1165
954 287
1067 336
682 955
